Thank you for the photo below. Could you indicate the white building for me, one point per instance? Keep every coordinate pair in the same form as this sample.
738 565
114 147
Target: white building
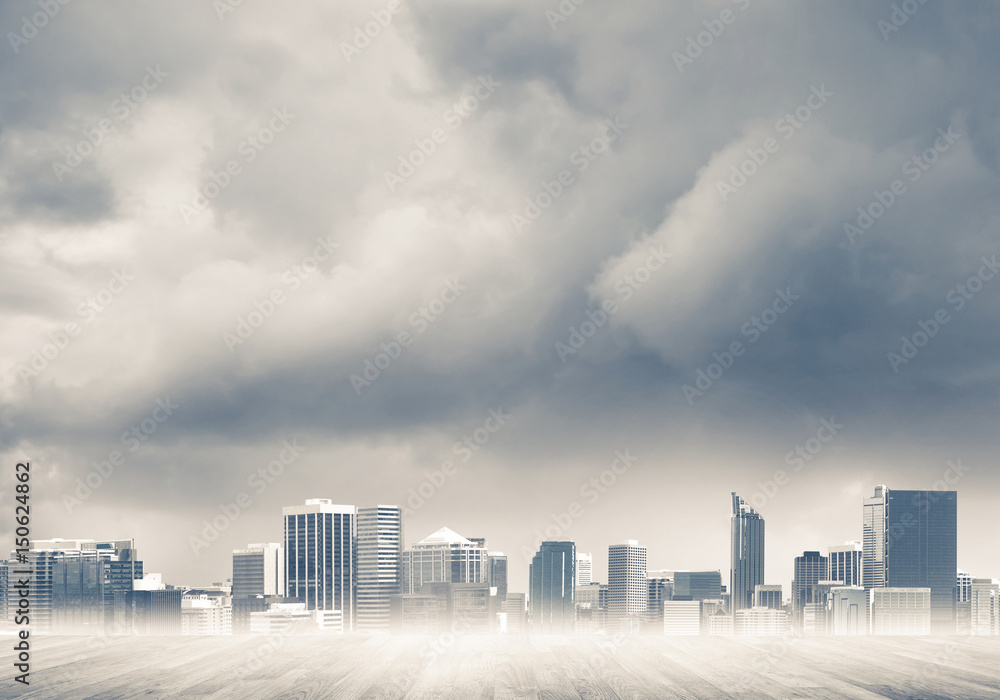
682 618
760 622
900 611
848 611
443 557
846 562
293 618
984 600
584 568
206 611
627 586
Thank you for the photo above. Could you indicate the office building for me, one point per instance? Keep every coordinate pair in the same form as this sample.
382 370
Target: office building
294 618
627 586
258 570
320 556
809 570
148 612
846 563
243 606
443 557
660 587
551 598
760 622
496 572
914 546
697 585
515 607
768 596
682 618
380 565
584 568
206 611
984 605
848 611
416 613
900 611
747 554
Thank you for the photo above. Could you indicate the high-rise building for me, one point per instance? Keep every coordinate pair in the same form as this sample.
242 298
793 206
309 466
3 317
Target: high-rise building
74 583
963 589
873 542
443 557
768 596
845 563
809 570
747 553
584 568
258 570
496 572
627 588
552 576
380 565
914 546
320 556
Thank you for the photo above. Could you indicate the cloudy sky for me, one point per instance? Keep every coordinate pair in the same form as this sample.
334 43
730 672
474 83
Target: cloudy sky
688 233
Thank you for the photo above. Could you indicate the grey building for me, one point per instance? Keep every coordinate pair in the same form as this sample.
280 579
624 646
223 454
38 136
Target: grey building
443 557
552 577
496 572
747 554
697 585
918 543
809 570
846 563
258 570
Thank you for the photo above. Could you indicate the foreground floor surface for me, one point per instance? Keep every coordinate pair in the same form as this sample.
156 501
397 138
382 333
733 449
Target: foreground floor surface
244 668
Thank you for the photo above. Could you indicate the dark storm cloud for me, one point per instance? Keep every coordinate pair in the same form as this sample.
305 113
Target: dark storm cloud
325 176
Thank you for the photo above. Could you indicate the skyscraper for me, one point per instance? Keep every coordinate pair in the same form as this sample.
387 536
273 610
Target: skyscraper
443 557
380 565
747 560
552 577
258 570
914 546
320 556
496 572
584 568
873 543
809 570
627 587
845 563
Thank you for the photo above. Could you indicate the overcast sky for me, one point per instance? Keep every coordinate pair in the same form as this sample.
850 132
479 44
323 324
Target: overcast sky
570 214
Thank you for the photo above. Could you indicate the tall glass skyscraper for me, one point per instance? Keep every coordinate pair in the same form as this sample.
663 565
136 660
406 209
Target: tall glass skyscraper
380 573
747 560
552 578
914 546
320 556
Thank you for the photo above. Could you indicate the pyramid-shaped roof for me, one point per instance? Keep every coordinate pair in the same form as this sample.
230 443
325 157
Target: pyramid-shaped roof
445 537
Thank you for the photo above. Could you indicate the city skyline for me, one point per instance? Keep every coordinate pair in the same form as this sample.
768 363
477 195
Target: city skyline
481 565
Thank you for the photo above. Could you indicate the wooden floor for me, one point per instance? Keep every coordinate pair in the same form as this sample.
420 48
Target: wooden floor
245 668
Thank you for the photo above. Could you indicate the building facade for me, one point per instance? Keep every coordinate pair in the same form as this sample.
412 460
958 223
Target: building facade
551 598
747 554
627 586
320 556
380 565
